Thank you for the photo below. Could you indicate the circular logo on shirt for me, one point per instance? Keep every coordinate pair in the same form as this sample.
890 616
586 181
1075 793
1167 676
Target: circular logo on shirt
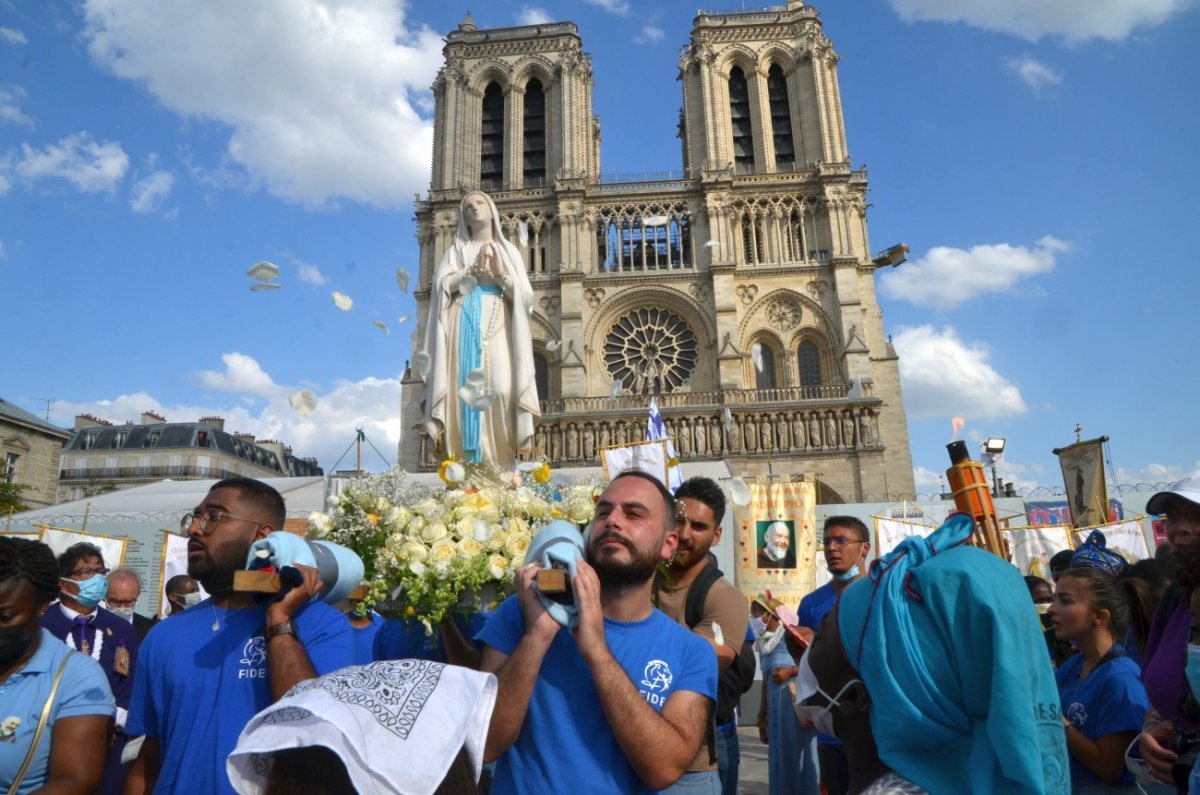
657 676
1077 714
255 651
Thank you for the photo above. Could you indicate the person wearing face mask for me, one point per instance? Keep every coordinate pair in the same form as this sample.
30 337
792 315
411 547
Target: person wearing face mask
846 542
932 672
79 621
791 768
39 675
182 592
124 588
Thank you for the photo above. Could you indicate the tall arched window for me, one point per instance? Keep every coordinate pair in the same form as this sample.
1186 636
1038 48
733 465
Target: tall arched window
491 144
768 376
808 358
781 119
541 376
534 149
739 116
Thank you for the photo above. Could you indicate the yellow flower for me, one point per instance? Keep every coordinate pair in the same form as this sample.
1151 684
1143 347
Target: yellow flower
451 472
497 566
469 547
409 611
373 518
413 551
542 473
434 531
516 544
442 551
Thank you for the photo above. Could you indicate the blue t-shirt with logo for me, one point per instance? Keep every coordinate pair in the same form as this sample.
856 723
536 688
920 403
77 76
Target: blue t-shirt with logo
813 609
1111 700
566 744
195 689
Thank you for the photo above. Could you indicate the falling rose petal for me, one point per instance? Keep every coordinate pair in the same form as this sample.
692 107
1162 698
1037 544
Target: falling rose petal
523 233
740 492
468 394
756 356
342 301
417 567
421 362
728 419
655 220
615 389
553 345
718 634
263 271
379 324
455 473
482 530
303 401
528 466
402 279
713 244
477 378
483 401
265 286
403 319
467 284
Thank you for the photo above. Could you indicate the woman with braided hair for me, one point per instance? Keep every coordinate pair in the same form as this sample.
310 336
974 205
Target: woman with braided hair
56 708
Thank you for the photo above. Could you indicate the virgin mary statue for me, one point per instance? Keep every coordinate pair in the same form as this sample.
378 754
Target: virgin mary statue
481 398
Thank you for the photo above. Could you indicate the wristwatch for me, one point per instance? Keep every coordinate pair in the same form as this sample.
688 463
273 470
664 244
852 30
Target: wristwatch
284 628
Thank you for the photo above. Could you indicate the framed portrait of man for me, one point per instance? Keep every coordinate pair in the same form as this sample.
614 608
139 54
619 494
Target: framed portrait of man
776 544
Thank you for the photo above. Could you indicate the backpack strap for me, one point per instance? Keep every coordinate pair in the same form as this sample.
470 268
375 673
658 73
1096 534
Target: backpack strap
693 605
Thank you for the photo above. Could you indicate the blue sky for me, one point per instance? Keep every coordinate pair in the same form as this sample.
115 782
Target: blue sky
1038 158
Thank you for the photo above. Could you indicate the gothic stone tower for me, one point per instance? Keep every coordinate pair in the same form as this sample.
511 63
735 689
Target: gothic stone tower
676 285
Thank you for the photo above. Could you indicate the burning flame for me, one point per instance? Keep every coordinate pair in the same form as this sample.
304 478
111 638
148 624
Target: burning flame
956 423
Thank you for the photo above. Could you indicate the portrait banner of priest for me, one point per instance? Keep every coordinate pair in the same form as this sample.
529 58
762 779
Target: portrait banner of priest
112 548
776 535
1032 547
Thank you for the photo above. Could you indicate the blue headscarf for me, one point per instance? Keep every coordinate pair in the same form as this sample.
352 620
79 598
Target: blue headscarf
963 698
1093 553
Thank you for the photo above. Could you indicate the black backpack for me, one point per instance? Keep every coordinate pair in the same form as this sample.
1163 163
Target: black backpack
738 678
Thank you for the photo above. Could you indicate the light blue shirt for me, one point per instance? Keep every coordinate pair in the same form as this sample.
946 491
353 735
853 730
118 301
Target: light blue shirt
83 691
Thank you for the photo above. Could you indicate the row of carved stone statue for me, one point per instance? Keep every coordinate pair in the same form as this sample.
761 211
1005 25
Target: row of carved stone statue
698 437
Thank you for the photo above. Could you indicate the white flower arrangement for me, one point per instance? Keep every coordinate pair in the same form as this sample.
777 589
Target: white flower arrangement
8 729
434 550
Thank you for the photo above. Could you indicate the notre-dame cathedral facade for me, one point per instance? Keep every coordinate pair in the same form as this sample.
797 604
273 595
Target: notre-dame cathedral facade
740 292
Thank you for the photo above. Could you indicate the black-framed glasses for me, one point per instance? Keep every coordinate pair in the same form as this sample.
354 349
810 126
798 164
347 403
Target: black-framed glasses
85 573
208 520
840 541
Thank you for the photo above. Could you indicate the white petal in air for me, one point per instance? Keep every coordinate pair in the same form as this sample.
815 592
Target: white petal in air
483 401
455 472
467 284
655 220
265 286
402 279
616 388
467 393
481 530
740 492
263 271
403 319
303 401
756 356
728 419
553 345
342 301
713 244
718 634
421 362
477 378
523 233
379 324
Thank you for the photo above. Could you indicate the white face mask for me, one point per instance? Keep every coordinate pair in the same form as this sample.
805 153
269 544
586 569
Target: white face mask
758 626
124 612
806 687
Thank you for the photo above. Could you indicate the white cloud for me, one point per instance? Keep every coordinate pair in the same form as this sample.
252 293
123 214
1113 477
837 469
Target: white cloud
310 274
89 166
1033 73
1153 473
151 192
532 15
942 376
618 7
649 35
3 253
10 107
12 36
370 404
320 96
242 375
1072 20
947 277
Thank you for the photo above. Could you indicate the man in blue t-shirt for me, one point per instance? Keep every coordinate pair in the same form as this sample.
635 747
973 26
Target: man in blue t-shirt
204 674
620 703
846 541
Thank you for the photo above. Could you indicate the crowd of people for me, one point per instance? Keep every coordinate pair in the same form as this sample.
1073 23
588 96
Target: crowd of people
937 669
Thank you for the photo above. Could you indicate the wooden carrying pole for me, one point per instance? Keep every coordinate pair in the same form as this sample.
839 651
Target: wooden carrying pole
972 495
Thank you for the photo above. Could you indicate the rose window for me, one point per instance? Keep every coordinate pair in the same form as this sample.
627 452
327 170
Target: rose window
651 350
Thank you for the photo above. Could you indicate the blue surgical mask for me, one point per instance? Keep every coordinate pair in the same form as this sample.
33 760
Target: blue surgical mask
758 625
848 575
1193 668
91 591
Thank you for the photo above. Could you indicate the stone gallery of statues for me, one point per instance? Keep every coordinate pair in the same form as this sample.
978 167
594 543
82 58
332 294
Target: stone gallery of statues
481 401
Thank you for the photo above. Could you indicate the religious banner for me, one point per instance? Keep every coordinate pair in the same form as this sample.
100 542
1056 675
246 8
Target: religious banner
649 457
112 548
1059 512
23 534
1083 476
776 536
890 532
1032 547
1125 538
174 561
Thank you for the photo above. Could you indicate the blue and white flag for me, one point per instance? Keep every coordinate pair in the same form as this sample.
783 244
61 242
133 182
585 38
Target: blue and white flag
657 429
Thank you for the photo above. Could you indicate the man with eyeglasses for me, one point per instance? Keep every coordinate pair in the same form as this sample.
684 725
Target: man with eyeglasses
124 588
79 621
210 669
846 542
1163 662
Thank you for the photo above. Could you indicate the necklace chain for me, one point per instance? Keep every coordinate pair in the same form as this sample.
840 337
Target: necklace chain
216 625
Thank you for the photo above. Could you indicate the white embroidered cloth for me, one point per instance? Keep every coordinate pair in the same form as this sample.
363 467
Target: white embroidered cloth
397 725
